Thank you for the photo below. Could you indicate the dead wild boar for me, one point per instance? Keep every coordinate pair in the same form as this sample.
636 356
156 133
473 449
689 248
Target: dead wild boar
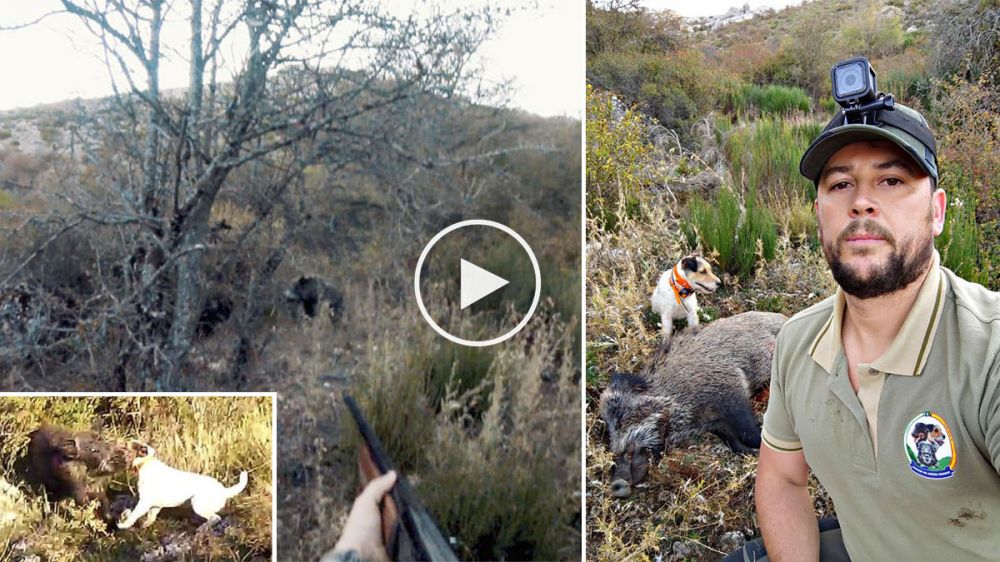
75 464
701 383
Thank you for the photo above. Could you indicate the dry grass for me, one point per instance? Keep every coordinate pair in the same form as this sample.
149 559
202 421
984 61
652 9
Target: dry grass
218 436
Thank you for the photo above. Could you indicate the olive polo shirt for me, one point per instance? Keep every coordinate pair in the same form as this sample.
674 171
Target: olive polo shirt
912 461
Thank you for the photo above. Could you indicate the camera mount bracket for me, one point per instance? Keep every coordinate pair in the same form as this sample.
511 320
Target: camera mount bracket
885 102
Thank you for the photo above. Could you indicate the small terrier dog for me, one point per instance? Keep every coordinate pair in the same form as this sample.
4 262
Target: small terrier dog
163 486
675 296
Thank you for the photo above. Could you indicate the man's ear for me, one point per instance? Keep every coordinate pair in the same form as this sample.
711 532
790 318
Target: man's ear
939 204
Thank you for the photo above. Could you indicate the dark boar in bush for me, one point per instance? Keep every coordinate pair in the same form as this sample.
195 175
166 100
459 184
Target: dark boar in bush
310 292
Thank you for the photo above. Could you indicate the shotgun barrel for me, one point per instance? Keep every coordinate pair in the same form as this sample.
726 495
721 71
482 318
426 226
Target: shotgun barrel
409 531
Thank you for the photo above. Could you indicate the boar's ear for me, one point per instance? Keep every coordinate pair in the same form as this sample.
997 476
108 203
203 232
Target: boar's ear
690 263
68 448
665 406
628 382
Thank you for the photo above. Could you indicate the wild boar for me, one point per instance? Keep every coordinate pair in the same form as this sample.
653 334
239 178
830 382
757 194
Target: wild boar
701 383
76 464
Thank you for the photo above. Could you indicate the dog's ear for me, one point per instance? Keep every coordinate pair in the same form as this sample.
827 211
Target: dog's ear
690 263
139 448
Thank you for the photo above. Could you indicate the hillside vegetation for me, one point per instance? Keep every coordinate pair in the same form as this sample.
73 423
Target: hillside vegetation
693 143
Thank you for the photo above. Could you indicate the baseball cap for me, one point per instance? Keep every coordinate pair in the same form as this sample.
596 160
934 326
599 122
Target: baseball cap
902 125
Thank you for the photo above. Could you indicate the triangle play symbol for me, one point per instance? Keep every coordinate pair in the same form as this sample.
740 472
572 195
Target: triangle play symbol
477 283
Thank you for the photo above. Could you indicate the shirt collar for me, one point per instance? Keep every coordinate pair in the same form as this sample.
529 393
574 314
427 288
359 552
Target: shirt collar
909 350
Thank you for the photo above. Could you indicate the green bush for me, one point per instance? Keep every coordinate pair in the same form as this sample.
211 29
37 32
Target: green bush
737 237
829 105
764 155
911 87
616 153
769 99
873 33
674 87
960 241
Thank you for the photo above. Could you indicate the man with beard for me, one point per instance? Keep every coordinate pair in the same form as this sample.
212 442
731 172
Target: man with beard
904 341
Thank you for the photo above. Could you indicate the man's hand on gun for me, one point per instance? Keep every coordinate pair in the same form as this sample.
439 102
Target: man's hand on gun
363 530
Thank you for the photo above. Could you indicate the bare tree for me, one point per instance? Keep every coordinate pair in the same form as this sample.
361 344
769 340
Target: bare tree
319 81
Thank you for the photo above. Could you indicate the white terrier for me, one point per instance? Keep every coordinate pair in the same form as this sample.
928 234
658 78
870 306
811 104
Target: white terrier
675 296
162 486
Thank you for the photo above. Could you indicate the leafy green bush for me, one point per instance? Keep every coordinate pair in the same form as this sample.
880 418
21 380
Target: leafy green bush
674 87
616 153
873 33
737 237
764 155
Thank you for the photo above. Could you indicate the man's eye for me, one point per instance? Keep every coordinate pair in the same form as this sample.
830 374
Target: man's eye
893 182
840 185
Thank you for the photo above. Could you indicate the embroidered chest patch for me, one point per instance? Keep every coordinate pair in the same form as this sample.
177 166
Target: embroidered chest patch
929 446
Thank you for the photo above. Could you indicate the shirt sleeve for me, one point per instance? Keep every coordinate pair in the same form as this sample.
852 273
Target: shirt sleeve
989 411
779 430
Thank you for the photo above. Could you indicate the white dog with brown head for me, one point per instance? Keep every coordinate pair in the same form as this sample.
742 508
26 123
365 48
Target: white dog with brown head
163 486
676 294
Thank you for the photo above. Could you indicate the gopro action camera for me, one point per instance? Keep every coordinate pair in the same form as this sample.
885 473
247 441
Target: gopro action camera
856 90
854 82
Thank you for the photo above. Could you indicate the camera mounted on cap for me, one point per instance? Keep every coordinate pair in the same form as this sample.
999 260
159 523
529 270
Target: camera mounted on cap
855 88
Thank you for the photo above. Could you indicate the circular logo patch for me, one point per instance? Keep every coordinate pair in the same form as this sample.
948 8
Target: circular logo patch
929 446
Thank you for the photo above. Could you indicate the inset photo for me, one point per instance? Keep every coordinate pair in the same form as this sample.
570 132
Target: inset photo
152 478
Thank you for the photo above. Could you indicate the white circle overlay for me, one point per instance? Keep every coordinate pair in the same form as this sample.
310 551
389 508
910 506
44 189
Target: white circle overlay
534 301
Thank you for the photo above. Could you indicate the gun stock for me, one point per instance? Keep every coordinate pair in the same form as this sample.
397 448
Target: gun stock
408 529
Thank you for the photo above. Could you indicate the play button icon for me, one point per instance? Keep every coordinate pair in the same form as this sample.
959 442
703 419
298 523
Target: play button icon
476 283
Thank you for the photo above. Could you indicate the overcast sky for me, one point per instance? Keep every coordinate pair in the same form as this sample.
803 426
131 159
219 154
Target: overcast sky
690 9
540 48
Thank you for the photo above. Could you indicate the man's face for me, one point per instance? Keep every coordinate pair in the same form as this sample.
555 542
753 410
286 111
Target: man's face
877 218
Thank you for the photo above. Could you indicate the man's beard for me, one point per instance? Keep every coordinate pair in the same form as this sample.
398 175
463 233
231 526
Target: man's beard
902 267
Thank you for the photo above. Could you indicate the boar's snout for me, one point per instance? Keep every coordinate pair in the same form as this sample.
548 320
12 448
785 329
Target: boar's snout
620 488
